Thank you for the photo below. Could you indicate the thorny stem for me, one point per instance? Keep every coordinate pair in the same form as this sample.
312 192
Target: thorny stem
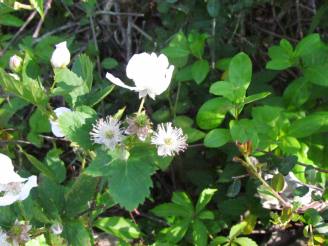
141 105
247 163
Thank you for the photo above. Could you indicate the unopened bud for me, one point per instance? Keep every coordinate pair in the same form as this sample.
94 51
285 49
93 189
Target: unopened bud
15 63
56 229
61 56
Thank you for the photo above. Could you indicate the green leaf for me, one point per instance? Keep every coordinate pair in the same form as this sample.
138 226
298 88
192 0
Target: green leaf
217 138
39 123
305 46
200 70
8 110
10 20
193 135
256 97
182 199
76 126
79 194
99 166
220 240
76 234
56 164
234 188
175 232
301 191
199 233
212 113
286 164
245 241
281 56
310 124
236 230
206 215
289 145
71 86
130 180
232 92
39 165
96 96
197 43
312 216
213 8
167 210
109 63
83 67
297 92
278 182
204 198
317 74
310 174
243 131
38 5
119 227
240 70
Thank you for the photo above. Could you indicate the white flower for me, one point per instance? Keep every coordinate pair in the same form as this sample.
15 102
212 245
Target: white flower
4 239
151 74
60 57
12 186
54 123
169 140
14 76
15 63
107 131
56 229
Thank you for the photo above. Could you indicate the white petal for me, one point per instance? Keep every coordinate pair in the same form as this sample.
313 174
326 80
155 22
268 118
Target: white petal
31 183
7 173
61 56
118 82
59 111
56 130
8 199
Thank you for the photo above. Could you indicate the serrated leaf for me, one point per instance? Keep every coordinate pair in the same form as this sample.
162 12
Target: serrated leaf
119 227
76 234
98 95
83 67
56 164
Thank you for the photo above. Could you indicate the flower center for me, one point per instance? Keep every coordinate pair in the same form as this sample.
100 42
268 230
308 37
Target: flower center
168 141
14 187
109 134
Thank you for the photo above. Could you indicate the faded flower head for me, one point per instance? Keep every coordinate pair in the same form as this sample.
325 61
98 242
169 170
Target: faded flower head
4 238
61 56
19 233
139 125
56 229
107 132
54 123
169 140
151 74
15 63
12 186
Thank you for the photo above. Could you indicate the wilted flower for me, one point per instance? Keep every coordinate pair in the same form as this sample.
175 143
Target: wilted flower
4 238
61 56
151 74
19 233
139 125
56 229
54 123
107 131
15 63
12 186
15 76
169 140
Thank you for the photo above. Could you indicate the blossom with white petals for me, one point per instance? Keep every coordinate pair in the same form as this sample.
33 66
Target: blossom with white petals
108 132
15 63
151 74
169 140
12 186
4 238
61 56
54 123
56 229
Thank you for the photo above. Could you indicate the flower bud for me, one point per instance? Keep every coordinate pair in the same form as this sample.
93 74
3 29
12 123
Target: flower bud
15 63
56 229
60 57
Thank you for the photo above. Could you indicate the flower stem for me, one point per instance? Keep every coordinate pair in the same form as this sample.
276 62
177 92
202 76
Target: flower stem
141 105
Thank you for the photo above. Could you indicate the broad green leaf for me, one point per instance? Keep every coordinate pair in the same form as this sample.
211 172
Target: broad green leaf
56 164
119 227
175 232
182 199
130 180
204 198
8 110
199 233
213 8
10 20
278 182
220 240
243 131
301 191
232 92
178 55
282 56
100 165
83 67
311 124
71 86
310 174
217 138
256 97
286 164
289 145
317 74
240 70
206 215
200 70
76 126
297 92
212 113
39 123
167 210
305 46
76 233
193 135
98 95
79 194
236 230
197 43
245 241
109 63
312 216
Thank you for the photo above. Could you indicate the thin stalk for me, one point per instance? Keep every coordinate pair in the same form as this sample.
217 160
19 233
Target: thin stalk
141 105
